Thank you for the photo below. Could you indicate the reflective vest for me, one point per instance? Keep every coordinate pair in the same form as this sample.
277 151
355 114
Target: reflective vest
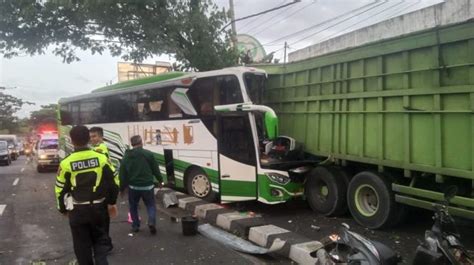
87 176
103 149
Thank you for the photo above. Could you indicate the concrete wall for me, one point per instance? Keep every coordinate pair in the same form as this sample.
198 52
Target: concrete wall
449 12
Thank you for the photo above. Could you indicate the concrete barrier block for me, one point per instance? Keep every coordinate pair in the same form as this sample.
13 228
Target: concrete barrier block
224 220
241 227
201 210
259 234
184 201
301 253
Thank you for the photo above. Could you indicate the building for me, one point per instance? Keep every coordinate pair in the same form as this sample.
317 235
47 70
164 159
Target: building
130 71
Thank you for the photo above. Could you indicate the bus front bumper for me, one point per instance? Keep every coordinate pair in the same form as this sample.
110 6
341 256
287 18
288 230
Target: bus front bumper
271 191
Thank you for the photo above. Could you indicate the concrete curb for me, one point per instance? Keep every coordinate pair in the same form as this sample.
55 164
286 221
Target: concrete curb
250 227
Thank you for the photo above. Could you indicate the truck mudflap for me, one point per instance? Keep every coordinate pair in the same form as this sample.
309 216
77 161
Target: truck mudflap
425 198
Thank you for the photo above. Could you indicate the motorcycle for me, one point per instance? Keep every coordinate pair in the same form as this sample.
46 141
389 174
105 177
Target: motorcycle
351 248
442 244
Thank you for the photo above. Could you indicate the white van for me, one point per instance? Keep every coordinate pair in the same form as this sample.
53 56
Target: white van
46 152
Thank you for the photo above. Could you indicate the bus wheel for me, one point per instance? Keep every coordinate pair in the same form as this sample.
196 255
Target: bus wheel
199 185
325 190
39 169
372 202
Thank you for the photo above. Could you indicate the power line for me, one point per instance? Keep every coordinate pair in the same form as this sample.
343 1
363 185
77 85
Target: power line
261 13
326 21
353 25
338 23
270 19
290 15
397 13
257 18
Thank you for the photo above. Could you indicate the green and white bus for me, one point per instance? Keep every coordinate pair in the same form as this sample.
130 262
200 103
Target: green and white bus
206 130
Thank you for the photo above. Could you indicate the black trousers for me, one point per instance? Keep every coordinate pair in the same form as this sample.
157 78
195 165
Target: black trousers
89 233
107 230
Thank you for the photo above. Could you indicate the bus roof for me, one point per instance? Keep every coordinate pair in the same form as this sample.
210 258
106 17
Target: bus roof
158 81
141 81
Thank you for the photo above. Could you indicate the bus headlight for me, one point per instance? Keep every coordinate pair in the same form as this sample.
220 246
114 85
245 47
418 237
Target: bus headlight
278 178
43 157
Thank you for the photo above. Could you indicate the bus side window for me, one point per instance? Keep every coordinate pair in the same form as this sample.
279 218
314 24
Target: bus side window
149 105
91 111
66 118
202 95
229 90
75 113
120 108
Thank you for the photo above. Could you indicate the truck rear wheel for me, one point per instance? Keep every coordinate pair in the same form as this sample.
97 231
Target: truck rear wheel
325 190
372 202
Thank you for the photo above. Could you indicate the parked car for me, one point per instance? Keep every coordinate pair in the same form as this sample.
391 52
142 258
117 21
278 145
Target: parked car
12 141
5 158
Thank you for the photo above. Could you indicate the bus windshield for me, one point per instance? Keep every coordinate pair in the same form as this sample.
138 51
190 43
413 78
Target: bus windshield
255 83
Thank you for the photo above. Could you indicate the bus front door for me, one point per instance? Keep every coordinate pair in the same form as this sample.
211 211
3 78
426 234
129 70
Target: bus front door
237 158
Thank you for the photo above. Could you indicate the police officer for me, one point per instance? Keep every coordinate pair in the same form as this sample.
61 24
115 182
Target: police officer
85 192
97 140
97 143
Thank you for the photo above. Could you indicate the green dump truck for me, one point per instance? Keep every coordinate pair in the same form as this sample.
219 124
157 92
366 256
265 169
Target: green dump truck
392 122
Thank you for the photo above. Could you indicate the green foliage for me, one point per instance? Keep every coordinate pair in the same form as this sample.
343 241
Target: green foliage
9 105
135 30
47 114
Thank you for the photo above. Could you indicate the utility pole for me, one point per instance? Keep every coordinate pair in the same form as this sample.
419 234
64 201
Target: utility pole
284 53
232 19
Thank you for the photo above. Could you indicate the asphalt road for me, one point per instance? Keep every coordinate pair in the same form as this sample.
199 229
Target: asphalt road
33 232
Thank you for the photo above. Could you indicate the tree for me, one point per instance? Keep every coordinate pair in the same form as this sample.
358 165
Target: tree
9 105
190 30
46 115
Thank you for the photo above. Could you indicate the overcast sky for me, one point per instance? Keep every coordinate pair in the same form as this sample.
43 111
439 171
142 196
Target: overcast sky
44 79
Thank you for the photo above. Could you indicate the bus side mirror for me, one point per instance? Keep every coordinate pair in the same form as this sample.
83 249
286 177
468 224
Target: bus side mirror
271 125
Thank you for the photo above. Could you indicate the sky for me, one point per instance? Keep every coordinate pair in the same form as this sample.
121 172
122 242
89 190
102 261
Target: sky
45 79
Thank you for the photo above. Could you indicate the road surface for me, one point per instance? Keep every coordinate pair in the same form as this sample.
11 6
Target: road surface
33 232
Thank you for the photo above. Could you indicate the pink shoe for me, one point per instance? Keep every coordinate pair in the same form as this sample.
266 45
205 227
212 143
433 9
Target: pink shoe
130 218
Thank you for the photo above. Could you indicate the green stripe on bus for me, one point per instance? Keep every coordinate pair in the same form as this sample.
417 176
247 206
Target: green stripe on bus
238 188
141 81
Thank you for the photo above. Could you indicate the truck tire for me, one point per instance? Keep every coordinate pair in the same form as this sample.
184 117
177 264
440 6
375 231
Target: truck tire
325 191
199 185
372 202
